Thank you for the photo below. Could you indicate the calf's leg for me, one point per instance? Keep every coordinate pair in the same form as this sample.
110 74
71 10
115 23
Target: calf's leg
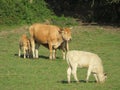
68 74
74 70
88 74
96 78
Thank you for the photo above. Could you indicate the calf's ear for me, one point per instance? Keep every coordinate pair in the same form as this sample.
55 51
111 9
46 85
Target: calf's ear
105 74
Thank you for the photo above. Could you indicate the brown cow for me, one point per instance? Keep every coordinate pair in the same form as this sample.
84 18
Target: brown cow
49 36
24 44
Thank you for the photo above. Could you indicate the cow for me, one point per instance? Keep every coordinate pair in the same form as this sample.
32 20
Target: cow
50 36
83 59
25 46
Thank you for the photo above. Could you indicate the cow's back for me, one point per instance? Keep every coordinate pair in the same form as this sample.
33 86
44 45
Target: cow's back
84 59
43 33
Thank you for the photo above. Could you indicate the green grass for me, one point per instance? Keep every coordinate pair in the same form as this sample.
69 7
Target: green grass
43 74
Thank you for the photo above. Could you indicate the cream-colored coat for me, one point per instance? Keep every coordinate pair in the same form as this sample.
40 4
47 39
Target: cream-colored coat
88 60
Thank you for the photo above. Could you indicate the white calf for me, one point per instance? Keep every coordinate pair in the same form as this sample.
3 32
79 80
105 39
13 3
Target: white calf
85 59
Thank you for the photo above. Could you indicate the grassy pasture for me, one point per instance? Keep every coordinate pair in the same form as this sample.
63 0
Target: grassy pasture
43 74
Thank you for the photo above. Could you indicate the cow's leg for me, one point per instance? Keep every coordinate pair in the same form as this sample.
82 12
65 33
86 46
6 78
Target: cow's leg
54 54
33 47
68 74
67 45
88 73
50 50
96 78
74 70
36 50
64 49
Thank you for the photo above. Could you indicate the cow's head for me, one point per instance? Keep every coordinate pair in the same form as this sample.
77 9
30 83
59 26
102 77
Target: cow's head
103 77
66 34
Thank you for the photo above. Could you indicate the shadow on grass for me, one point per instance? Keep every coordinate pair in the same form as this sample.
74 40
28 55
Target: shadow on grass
80 81
47 57
43 57
22 56
40 57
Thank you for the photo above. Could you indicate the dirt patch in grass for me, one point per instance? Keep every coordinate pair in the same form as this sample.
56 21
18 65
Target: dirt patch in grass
20 30
95 27
85 27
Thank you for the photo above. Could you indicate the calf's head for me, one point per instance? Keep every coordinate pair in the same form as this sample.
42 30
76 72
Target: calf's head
66 34
103 78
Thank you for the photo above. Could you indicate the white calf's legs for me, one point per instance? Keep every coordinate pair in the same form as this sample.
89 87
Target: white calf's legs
88 74
96 78
74 70
68 74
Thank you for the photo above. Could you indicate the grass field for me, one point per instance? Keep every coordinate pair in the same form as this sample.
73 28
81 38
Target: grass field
43 74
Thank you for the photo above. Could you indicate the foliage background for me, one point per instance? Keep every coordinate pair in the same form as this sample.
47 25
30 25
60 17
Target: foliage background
100 11
59 12
22 11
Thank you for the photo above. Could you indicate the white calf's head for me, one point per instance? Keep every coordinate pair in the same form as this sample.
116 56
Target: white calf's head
103 78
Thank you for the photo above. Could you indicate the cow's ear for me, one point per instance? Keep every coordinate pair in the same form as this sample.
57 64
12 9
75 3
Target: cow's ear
61 31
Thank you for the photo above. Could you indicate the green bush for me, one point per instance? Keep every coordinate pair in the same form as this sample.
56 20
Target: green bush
22 11
63 21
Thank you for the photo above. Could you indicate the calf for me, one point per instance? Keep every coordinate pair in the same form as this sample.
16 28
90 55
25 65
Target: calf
24 44
85 59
